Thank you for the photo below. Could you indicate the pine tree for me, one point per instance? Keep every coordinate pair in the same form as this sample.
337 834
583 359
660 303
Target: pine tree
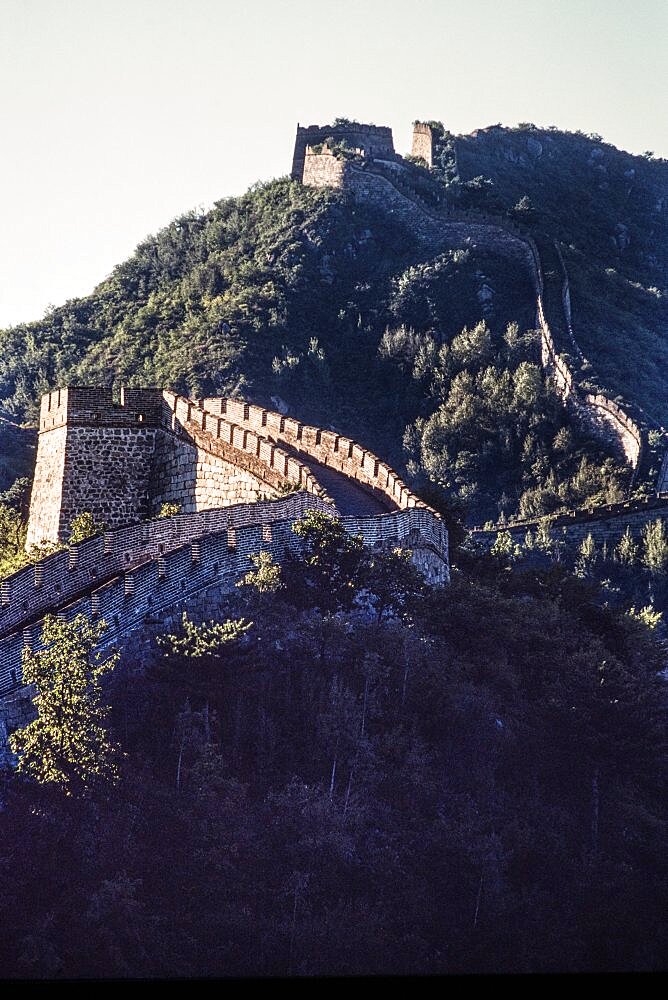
199 641
655 547
330 568
627 549
586 556
505 548
83 527
67 744
544 540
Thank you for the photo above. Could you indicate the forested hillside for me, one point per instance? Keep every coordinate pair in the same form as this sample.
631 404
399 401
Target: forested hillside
609 212
334 308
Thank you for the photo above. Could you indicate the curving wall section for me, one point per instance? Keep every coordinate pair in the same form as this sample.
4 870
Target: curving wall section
324 447
135 573
121 461
188 467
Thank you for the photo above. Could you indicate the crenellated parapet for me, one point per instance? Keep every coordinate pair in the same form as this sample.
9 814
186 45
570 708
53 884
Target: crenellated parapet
79 406
324 447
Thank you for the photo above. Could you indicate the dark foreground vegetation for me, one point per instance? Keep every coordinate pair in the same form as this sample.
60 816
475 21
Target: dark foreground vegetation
374 777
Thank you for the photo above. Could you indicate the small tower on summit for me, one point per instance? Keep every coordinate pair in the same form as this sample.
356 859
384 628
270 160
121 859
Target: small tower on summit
423 142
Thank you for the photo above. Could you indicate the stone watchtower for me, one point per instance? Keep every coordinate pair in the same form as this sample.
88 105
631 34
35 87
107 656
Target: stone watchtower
93 455
122 461
373 141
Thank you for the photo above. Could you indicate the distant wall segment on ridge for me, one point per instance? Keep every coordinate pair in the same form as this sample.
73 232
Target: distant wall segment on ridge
562 358
322 169
605 524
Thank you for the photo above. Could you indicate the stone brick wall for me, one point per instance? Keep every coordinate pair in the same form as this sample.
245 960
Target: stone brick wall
107 471
91 455
47 487
563 359
605 524
322 169
56 581
140 571
199 479
220 452
223 444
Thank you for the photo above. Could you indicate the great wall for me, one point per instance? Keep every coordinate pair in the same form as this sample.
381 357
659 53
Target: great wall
242 475
339 157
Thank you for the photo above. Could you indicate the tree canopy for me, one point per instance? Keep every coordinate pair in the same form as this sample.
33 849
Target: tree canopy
67 745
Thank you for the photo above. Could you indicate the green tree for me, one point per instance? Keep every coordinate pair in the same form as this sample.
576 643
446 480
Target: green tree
587 556
392 580
524 210
544 539
84 526
655 547
197 641
67 745
13 530
505 548
329 570
626 549
266 577
194 662
647 615
169 510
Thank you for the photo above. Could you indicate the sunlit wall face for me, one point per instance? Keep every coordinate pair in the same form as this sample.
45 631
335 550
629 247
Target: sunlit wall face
118 115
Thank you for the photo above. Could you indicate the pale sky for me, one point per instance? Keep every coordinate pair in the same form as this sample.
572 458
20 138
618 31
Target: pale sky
118 115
